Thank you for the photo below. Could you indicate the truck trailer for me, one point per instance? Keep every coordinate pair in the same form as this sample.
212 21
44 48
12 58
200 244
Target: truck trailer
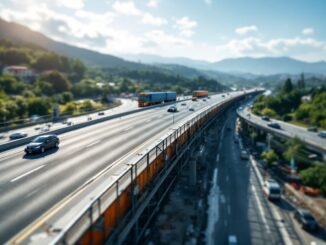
199 94
152 98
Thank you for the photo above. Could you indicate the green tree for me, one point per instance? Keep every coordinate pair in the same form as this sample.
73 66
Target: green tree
59 82
315 176
269 156
287 87
38 106
67 97
14 56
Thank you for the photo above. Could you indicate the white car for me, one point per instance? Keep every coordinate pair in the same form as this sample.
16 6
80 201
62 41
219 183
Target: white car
272 189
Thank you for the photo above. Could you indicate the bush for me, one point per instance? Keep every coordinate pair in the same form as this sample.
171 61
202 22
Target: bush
315 176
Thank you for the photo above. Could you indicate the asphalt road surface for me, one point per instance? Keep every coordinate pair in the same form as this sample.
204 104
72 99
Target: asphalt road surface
243 210
287 129
30 185
126 105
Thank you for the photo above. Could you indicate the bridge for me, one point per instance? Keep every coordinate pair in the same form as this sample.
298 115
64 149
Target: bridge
287 131
97 186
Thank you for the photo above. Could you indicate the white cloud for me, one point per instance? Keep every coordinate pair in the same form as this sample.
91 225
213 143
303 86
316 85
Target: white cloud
152 20
152 3
126 8
308 31
73 4
185 26
246 29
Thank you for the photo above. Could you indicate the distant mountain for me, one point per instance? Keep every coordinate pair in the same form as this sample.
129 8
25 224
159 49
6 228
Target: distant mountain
239 66
269 65
21 34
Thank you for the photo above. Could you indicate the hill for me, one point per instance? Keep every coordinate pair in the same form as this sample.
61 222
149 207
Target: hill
239 66
20 34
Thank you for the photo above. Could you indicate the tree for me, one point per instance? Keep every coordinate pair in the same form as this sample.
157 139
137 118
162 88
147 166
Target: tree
78 69
287 87
269 156
315 176
38 106
14 56
295 149
301 82
67 97
44 88
59 82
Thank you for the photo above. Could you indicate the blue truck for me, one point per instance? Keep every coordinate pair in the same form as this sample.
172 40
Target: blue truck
152 98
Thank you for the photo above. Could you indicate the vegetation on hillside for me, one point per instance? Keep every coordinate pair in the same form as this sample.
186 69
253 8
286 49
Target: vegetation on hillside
294 102
63 80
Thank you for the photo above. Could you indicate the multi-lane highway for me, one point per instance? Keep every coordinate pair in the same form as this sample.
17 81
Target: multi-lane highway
30 185
288 130
126 105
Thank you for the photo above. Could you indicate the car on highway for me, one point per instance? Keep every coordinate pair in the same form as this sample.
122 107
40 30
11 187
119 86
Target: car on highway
265 118
172 109
42 143
69 123
2 136
322 134
17 135
305 219
274 125
312 129
272 189
204 100
183 104
101 113
244 155
191 109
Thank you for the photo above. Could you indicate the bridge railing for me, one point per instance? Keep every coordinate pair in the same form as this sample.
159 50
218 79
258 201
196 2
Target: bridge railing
94 217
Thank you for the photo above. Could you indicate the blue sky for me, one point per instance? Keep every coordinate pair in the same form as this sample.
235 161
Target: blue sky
200 29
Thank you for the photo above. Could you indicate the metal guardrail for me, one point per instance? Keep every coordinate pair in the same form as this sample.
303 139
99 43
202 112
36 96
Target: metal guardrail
107 202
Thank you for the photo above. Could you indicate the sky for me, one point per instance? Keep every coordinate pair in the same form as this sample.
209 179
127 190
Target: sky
209 30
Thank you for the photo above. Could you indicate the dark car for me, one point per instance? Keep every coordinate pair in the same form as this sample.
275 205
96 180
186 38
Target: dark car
101 113
265 118
312 129
172 109
17 135
274 125
42 143
305 218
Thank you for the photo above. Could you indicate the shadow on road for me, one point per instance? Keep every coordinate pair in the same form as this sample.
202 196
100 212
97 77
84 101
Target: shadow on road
40 155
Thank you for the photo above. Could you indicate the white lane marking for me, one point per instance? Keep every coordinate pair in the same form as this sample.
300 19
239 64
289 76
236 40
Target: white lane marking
126 129
260 208
217 157
229 210
27 173
93 143
213 210
276 214
32 192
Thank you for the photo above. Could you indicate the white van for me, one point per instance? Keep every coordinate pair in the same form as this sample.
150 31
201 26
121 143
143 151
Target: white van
272 189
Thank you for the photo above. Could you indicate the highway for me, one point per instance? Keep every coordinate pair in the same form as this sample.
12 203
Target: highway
30 185
126 105
243 210
287 129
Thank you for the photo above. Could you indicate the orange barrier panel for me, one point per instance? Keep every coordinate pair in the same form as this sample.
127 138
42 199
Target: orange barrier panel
110 218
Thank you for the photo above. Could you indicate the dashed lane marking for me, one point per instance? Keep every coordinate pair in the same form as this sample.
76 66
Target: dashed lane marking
27 173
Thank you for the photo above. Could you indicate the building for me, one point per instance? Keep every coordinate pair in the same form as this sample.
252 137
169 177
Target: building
22 72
